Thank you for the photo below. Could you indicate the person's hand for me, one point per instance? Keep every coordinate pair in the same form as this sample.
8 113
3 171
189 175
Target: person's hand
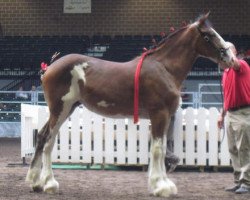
220 122
236 65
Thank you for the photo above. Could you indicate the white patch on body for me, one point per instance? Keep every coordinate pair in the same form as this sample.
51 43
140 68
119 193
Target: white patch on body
158 181
74 91
104 104
77 74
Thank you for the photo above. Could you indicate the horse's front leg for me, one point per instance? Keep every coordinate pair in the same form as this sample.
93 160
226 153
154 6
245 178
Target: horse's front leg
158 181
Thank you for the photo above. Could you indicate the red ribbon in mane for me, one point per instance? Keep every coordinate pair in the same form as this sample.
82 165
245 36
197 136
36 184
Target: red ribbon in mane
136 85
44 66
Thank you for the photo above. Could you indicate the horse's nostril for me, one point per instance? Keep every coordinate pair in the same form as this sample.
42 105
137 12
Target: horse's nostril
232 61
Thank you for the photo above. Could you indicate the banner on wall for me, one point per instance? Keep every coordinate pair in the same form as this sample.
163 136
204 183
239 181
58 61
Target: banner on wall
77 6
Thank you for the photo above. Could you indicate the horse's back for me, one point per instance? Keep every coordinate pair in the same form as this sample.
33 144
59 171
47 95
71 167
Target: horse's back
73 59
103 86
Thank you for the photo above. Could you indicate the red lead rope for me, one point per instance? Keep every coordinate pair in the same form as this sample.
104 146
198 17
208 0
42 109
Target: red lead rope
136 86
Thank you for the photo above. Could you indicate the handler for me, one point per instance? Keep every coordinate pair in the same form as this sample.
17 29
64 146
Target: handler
236 110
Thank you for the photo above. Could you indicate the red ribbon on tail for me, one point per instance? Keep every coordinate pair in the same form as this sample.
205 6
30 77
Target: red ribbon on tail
44 66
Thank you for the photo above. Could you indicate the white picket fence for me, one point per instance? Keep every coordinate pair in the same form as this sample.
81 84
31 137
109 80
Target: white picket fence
90 138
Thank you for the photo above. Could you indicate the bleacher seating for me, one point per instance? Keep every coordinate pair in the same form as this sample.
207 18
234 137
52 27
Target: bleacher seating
27 52
125 48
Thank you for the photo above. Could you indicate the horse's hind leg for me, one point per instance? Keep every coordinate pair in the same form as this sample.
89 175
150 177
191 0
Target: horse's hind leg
171 160
158 181
50 185
47 180
33 175
44 180
37 174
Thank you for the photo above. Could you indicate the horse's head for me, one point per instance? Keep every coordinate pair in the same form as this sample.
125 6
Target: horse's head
210 44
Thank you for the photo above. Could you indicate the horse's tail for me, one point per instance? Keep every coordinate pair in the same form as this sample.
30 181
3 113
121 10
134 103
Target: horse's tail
40 140
44 66
54 57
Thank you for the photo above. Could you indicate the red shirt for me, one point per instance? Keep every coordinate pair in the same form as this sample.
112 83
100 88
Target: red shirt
236 86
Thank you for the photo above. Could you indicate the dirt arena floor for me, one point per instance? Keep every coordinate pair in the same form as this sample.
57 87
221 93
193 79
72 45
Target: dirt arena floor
107 184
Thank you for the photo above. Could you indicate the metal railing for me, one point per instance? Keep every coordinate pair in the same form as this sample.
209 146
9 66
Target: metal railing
10 102
210 95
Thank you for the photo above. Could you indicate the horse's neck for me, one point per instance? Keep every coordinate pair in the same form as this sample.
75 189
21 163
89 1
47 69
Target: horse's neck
177 56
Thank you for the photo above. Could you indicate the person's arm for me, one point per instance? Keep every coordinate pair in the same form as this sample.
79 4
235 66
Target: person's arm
220 121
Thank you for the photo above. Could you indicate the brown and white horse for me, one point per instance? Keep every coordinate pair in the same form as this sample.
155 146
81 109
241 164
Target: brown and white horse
107 88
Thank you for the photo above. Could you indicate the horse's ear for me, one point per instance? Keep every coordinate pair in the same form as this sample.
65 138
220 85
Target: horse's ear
207 14
203 19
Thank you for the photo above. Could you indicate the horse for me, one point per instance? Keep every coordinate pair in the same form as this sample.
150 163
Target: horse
107 88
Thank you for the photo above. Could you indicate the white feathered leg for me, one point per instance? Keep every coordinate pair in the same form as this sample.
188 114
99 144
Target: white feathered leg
50 185
158 181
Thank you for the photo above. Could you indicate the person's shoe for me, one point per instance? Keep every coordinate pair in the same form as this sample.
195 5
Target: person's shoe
243 190
233 188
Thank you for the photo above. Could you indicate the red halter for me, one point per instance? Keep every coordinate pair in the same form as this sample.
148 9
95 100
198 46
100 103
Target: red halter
136 85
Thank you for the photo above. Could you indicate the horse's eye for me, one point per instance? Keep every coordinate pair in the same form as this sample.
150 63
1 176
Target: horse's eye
206 38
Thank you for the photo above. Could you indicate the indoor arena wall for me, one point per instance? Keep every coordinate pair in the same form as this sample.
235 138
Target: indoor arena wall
142 17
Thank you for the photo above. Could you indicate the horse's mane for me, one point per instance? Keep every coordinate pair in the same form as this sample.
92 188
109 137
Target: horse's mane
172 34
167 38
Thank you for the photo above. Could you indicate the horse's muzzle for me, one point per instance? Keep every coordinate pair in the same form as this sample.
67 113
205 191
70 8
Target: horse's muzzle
227 64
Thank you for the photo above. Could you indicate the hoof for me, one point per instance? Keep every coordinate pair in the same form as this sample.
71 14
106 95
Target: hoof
37 188
51 187
165 188
161 192
172 186
33 175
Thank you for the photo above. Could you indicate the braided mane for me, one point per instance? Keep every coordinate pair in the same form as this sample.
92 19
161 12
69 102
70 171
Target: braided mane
169 36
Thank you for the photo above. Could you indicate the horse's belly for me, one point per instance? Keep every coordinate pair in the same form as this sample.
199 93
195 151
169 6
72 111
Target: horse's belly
106 108
113 110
